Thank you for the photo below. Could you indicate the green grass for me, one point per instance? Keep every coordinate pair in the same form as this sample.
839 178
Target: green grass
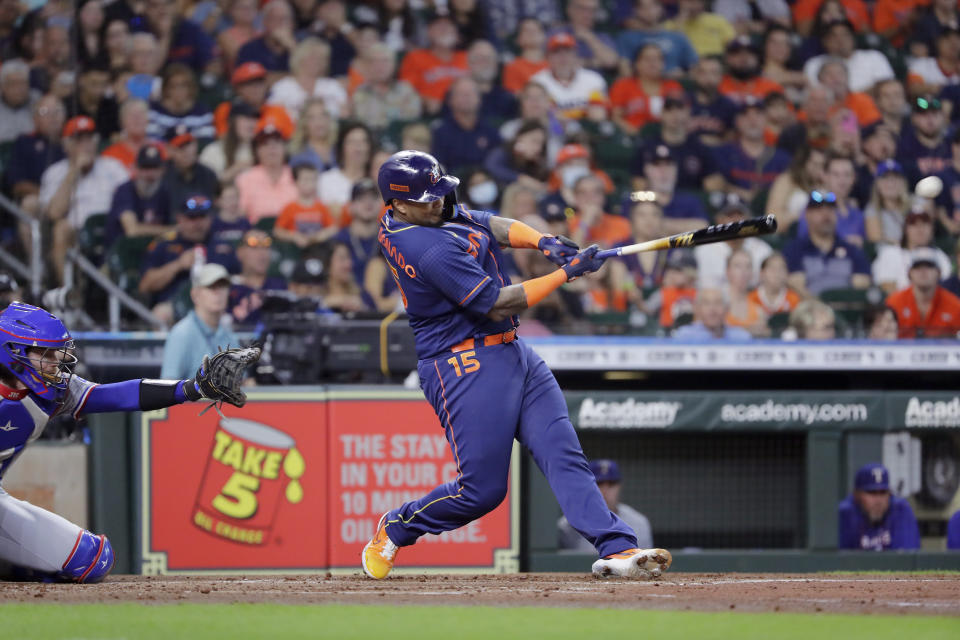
239 621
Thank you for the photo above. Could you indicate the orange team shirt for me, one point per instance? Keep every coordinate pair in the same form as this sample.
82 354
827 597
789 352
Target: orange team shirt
628 94
787 303
608 231
603 300
276 113
888 14
517 72
758 87
555 182
754 315
124 152
430 75
942 321
675 301
305 218
857 12
862 106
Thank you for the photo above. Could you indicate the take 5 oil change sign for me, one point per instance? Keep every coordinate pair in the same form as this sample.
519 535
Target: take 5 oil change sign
236 492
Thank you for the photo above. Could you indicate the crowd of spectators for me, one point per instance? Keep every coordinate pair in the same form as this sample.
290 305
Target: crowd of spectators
158 136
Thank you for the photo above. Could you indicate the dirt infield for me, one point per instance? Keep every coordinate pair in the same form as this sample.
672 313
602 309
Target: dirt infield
887 594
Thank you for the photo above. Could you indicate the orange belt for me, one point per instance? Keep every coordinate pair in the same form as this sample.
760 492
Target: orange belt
485 341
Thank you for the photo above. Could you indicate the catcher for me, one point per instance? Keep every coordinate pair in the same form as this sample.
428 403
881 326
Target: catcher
36 383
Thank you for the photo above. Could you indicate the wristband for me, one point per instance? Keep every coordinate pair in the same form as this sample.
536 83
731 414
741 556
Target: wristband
523 236
539 288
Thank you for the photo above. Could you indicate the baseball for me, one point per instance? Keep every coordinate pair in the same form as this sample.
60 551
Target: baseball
929 187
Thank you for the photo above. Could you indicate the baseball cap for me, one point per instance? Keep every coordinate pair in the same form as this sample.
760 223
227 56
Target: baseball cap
210 274
918 216
178 135
734 206
741 43
248 71
364 187
748 102
923 255
888 166
675 100
872 477
659 153
267 129
821 199
605 470
77 125
243 108
926 103
571 152
196 206
561 40
308 271
149 157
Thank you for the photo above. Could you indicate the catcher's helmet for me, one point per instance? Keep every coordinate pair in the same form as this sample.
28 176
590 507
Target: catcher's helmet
415 176
23 327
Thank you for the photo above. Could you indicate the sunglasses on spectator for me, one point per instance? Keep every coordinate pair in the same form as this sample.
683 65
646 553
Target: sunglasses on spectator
823 197
198 205
254 241
924 104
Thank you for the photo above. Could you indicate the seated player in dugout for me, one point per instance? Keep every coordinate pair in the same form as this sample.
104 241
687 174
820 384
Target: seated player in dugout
38 383
486 385
872 519
610 482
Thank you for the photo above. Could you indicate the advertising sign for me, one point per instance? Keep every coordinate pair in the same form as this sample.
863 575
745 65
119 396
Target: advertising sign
235 493
297 481
384 453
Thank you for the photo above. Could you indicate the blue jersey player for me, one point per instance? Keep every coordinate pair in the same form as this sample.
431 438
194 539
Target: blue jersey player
874 520
36 383
485 384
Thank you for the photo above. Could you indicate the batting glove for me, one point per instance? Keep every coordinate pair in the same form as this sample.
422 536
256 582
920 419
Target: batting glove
558 249
584 262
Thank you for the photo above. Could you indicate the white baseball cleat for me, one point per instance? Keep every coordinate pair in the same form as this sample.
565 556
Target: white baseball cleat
634 563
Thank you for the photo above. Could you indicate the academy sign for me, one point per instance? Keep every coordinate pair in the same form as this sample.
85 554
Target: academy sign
627 414
932 413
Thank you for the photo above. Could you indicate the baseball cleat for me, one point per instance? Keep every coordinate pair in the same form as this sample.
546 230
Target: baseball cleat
634 563
380 552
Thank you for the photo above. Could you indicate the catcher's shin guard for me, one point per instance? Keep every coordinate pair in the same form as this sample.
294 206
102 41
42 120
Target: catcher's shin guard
91 559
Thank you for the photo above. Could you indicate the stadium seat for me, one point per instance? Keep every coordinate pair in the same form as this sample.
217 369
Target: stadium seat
124 259
91 238
849 306
182 302
777 323
266 223
283 259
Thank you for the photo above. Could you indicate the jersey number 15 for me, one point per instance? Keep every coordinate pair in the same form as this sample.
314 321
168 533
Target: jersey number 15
470 364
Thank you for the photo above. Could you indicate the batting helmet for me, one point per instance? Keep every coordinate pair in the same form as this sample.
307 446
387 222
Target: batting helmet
24 327
414 176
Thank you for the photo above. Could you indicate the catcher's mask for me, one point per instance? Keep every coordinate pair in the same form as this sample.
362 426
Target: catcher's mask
37 349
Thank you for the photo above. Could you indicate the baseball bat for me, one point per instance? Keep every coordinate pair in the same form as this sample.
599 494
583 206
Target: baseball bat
707 235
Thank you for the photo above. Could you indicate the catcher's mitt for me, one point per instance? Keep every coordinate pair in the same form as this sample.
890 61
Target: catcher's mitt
220 376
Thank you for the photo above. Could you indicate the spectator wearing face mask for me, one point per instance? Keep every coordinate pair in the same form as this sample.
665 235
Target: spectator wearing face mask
573 163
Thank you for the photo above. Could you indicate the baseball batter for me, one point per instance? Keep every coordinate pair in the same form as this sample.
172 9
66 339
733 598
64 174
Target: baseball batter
36 383
485 384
